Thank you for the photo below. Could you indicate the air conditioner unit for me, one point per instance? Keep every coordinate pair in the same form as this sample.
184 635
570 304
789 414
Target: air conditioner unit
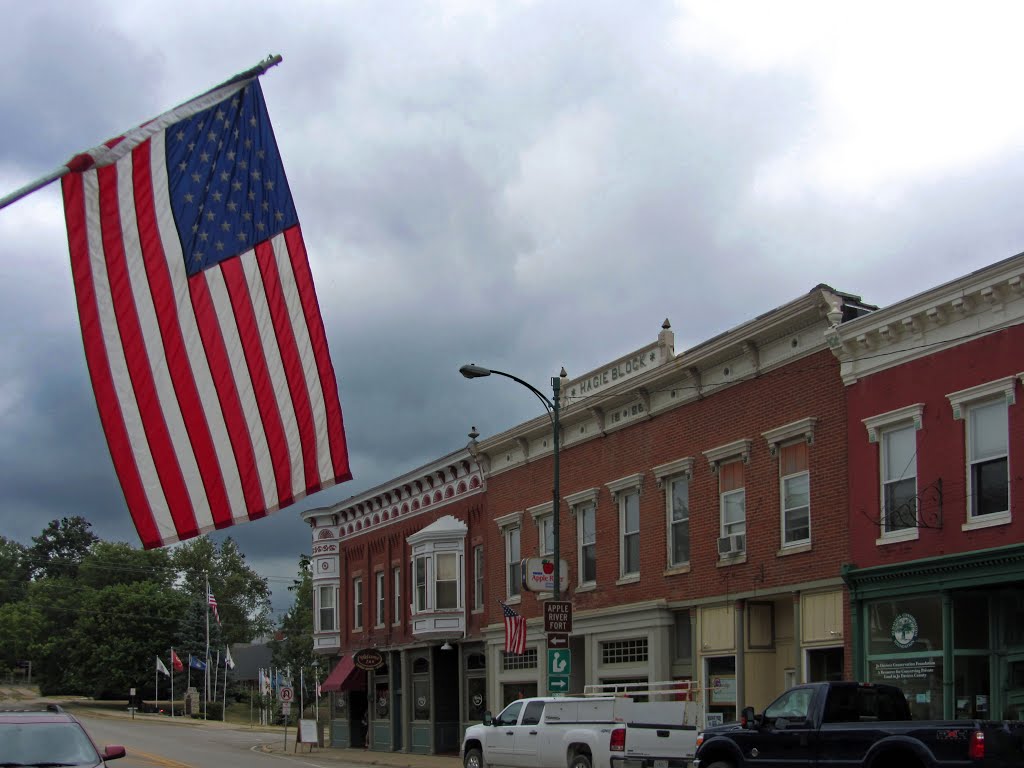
733 544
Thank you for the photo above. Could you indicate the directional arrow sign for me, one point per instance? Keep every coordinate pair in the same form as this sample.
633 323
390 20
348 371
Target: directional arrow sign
558 683
558 640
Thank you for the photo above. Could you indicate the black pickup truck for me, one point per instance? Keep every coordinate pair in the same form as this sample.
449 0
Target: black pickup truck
856 724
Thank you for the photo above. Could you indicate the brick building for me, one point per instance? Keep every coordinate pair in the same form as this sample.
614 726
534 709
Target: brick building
703 519
936 571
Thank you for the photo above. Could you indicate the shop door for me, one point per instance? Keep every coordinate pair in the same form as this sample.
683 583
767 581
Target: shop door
1014 677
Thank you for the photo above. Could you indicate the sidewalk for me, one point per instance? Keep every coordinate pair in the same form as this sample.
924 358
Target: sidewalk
365 756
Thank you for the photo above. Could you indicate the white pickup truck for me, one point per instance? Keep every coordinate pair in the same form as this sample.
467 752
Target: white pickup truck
646 726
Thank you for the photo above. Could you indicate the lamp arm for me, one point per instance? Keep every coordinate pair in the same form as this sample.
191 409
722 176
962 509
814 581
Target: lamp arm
545 401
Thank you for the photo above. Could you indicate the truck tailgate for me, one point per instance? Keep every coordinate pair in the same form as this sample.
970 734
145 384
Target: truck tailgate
659 746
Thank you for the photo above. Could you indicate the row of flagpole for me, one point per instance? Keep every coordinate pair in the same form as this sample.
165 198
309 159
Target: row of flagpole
193 663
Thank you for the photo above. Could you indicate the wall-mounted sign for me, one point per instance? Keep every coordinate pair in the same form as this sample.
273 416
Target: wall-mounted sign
368 658
539 575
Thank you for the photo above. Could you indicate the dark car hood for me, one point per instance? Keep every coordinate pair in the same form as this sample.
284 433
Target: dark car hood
720 729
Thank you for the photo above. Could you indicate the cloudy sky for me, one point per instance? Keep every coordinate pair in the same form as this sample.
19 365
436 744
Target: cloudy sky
520 184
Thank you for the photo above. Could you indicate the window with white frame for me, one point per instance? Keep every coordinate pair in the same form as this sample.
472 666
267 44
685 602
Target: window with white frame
420 566
986 414
357 603
396 601
674 479
795 487
728 462
583 506
326 609
510 526
446 581
899 479
896 435
626 493
513 560
380 598
988 454
545 522
478 577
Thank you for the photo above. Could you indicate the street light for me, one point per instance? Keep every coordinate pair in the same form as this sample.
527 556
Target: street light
552 407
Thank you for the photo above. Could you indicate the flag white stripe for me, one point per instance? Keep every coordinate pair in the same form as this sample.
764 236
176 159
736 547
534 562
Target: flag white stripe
325 469
275 368
198 361
246 394
130 415
155 353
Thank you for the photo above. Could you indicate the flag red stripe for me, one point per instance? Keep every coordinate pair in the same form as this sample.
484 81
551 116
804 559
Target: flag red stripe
291 361
126 313
99 369
179 366
227 393
252 347
318 338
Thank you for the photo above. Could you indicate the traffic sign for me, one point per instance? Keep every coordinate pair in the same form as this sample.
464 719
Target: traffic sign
559 662
286 708
558 640
286 694
558 683
557 616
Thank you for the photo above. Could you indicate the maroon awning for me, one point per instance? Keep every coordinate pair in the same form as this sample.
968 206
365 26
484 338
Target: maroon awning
344 676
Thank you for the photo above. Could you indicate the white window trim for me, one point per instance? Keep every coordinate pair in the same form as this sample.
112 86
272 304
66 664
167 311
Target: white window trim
804 543
903 534
541 513
738 449
358 600
665 475
478 578
506 532
804 429
875 424
381 604
1007 387
575 502
333 591
619 488
396 585
428 562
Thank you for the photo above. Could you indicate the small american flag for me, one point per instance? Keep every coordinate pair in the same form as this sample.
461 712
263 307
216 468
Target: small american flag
212 601
202 333
515 630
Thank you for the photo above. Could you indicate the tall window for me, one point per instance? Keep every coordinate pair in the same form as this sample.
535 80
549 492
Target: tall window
380 598
396 579
326 609
629 528
733 498
988 458
446 582
899 479
587 537
545 535
513 560
795 485
357 604
679 521
478 577
420 576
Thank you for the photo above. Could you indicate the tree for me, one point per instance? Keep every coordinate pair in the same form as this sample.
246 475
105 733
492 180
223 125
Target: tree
112 563
294 649
62 545
243 596
14 571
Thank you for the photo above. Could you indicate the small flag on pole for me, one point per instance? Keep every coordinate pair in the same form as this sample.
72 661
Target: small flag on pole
161 667
515 630
176 663
196 663
228 661
202 333
212 602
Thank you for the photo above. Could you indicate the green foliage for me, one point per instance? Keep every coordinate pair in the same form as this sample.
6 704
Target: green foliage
93 616
294 648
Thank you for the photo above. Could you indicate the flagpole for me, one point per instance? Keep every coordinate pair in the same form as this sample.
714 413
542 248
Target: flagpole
156 685
206 680
224 702
216 676
52 176
172 682
302 697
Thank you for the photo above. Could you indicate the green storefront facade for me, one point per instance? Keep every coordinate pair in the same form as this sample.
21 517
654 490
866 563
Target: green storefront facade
949 630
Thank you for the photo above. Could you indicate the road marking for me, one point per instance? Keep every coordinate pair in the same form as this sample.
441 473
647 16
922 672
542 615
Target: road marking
159 760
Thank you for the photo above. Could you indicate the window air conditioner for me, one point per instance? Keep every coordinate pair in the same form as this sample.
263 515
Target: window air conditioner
733 544
725 545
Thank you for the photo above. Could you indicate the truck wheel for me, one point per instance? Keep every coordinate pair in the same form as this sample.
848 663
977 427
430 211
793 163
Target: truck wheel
580 760
473 759
720 764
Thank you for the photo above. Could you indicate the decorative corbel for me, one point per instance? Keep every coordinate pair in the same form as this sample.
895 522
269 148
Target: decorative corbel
694 372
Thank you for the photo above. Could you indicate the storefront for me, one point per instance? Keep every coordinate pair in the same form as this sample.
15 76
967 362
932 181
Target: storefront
948 630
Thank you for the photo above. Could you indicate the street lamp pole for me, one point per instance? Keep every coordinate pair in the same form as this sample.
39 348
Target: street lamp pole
552 407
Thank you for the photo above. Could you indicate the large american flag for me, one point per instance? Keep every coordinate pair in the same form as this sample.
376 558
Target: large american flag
201 327
212 602
515 630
